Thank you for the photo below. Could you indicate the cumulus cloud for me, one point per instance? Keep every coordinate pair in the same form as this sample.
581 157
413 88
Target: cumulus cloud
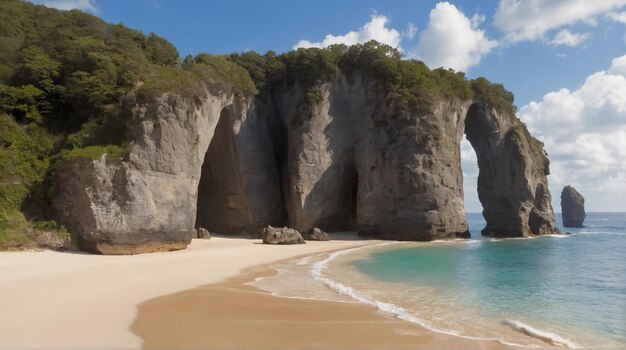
567 38
83 5
375 29
531 19
410 31
452 40
584 132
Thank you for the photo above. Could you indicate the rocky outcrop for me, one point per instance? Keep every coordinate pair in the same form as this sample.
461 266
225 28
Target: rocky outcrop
54 240
148 202
572 207
512 180
203 233
357 160
318 235
340 155
284 235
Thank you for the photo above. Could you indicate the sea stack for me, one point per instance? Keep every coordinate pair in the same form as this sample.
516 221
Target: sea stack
572 207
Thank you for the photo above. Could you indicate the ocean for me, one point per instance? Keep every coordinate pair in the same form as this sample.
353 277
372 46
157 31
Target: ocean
562 291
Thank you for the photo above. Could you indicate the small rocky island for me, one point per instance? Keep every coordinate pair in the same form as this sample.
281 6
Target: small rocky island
572 207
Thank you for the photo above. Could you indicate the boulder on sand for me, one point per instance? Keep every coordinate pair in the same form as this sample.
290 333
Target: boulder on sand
284 235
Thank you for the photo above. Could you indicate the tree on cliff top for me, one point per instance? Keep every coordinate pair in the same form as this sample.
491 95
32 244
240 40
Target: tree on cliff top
412 80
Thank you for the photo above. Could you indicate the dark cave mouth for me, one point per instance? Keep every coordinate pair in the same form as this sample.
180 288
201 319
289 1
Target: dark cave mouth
218 206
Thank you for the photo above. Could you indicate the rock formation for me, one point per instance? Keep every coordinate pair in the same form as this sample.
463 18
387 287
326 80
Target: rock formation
203 233
572 207
354 160
147 202
318 235
284 235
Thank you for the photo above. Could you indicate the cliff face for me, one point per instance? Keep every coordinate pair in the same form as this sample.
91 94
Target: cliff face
340 155
572 207
512 180
147 202
357 160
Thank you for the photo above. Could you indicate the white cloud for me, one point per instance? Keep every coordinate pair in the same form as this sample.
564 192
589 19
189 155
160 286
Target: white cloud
531 19
567 38
452 40
584 132
477 19
410 31
617 16
375 29
83 5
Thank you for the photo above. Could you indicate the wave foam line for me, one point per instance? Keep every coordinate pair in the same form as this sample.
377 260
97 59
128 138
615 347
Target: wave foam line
318 268
550 338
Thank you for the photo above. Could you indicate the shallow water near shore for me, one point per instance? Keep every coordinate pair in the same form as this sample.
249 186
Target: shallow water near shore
562 291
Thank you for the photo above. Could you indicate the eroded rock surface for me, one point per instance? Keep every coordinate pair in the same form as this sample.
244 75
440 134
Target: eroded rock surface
318 235
356 159
572 207
203 233
282 235
146 202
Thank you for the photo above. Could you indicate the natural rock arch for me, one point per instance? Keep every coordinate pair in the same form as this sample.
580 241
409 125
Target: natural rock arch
512 183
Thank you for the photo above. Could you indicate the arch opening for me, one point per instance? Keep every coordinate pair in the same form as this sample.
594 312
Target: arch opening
482 133
471 202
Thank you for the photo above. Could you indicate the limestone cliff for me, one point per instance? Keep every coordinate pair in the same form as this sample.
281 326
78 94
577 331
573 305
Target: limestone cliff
572 207
342 154
148 202
358 161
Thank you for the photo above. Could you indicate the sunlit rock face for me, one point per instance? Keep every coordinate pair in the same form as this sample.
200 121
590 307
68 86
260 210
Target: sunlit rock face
352 159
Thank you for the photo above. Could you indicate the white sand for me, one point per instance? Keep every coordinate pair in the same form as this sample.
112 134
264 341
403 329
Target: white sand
80 301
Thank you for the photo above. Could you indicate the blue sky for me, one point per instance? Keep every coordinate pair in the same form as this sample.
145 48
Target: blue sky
536 48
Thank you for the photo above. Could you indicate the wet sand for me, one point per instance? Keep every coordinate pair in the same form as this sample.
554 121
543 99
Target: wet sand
232 315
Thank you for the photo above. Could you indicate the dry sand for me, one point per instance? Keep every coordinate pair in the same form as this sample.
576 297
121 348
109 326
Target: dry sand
81 301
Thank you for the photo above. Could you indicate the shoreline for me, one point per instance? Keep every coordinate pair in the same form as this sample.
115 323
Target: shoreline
76 301
236 315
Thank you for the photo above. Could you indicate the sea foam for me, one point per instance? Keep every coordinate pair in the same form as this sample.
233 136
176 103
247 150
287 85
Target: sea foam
318 268
550 338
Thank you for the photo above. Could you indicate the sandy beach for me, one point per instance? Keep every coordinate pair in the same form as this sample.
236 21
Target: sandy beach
78 301
232 315
194 298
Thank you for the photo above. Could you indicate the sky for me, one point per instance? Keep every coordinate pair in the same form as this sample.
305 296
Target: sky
564 60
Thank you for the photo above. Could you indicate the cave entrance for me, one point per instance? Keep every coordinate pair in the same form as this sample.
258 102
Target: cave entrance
220 196
347 203
344 213
332 204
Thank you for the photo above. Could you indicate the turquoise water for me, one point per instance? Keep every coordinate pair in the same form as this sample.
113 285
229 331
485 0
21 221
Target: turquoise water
572 288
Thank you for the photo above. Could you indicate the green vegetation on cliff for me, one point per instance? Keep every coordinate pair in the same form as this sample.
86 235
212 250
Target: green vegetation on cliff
412 82
68 82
